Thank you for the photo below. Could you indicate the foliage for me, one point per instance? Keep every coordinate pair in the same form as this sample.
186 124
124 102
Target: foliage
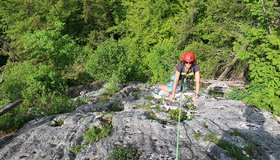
77 148
77 41
263 12
265 97
197 135
231 149
107 61
174 114
123 153
209 28
116 107
149 22
93 134
262 42
161 61
19 17
39 87
110 89
33 81
99 17
48 47
237 94
96 133
250 148
264 65
25 17
209 59
151 115
212 138
114 62
236 132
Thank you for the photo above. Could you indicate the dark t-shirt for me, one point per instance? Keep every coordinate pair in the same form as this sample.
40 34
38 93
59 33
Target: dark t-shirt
190 73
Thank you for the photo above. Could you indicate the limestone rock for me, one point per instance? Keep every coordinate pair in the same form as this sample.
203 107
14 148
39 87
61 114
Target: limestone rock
142 123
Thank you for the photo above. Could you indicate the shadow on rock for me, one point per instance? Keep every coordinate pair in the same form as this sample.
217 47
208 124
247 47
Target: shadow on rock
255 136
263 133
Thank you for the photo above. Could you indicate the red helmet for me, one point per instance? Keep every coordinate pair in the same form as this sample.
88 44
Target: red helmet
188 57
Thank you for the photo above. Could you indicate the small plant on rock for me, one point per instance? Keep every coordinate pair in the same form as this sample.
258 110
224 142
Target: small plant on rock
152 115
96 133
148 108
191 107
236 133
148 98
116 107
77 148
139 106
123 153
231 149
81 101
164 121
212 138
159 108
197 135
174 114
250 148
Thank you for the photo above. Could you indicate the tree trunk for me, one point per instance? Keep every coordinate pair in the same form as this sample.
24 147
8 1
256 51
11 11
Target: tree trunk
244 75
1 77
228 69
9 107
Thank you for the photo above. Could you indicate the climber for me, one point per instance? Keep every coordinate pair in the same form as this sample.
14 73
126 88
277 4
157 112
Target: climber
186 72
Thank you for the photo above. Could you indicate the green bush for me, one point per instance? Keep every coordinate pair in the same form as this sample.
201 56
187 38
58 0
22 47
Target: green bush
262 52
236 94
114 61
42 91
263 96
105 60
49 47
161 61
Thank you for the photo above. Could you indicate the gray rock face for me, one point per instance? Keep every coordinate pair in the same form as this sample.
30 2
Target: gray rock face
153 137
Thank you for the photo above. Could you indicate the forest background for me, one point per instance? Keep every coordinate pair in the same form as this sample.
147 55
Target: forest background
48 46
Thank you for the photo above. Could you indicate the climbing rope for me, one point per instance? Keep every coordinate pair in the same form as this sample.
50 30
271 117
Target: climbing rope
178 127
185 99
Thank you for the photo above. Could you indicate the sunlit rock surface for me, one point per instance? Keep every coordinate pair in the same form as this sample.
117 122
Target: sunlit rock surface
152 137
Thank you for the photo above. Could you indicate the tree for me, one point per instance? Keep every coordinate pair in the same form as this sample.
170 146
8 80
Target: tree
213 26
149 22
263 40
48 47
